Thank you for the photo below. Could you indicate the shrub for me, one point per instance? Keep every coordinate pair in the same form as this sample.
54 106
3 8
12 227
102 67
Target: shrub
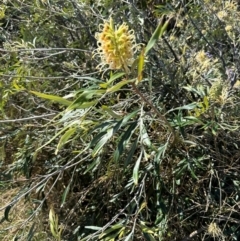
127 131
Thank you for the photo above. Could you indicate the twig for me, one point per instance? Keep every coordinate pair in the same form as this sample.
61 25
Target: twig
46 177
44 49
27 118
45 57
49 77
138 193
162 117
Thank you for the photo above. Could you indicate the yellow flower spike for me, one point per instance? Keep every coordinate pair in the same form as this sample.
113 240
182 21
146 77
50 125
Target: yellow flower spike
116 45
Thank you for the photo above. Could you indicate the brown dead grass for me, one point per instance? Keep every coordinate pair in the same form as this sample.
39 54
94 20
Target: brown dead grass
17 226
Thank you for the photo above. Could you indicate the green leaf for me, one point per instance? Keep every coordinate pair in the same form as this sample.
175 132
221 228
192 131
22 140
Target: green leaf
91 79
185 107
104 125
110 112
131 152
102 142
64 196
85 105
160 152
93 227
67 135
31 232
192 173
156 35
6 212
193 119
94 164
144 136
129 237
97 138
111 229
83 101
149 237
110 132
114 77
124 141
129 116
55 98
205 102
136 169
119 85
140 66
59 133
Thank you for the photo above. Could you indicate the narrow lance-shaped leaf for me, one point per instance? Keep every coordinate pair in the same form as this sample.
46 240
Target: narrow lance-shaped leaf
149 237
85 99
55 98
136 169
112 78
156 35
119 85
93 165
102 142
129 237
31 232
111 112
6 212
93 227
59 133
140 66
64 196
160 153
185 107
67 135
53 221
124 141
131 152
111 229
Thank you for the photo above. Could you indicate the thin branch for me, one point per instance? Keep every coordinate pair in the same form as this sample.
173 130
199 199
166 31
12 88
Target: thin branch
50 77
162 117
204 38
35 77
45 57
27 118
46 177
44 49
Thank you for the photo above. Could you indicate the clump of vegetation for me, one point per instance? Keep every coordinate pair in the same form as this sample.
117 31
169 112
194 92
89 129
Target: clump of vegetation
119 121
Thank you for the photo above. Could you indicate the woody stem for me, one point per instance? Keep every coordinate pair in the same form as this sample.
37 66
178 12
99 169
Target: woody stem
162 117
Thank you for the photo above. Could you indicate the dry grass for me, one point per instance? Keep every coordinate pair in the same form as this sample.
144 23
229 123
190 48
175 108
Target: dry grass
16 225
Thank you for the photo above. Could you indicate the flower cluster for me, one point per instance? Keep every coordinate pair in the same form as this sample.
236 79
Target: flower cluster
222 15
116 45
203 60
215 90
201 56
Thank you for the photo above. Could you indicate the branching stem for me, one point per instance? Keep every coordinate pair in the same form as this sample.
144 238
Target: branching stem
162 117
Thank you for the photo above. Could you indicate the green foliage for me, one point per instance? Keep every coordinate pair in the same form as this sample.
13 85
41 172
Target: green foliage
145 152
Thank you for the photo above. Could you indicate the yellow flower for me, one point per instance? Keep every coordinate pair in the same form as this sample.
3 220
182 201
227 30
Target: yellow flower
201 57
214 231
116 45
230 5
215 90
228 28
222 15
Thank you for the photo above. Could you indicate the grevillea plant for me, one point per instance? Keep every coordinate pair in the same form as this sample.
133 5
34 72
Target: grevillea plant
140 139
116 45
116 49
